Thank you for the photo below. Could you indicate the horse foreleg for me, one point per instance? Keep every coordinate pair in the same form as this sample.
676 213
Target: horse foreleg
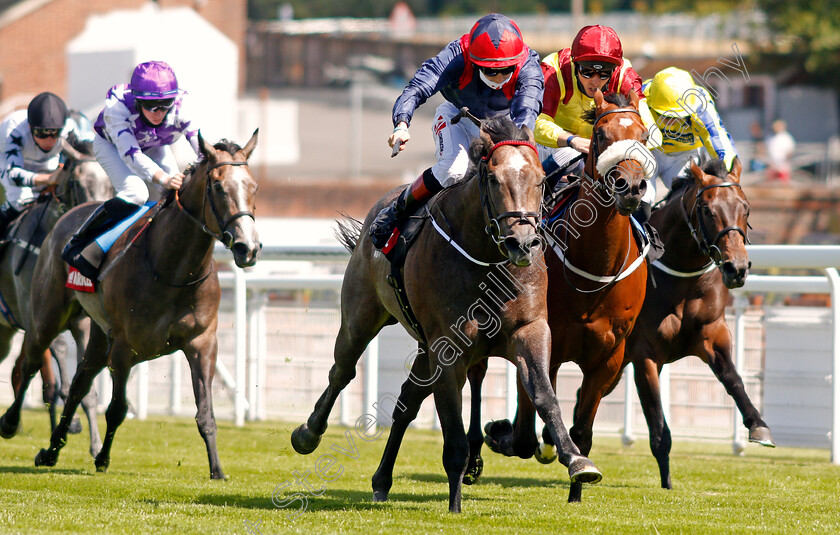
95 359
646 375
201 355
348 349
48 385
517 439
120 364
531 344
414 390
592 390
81 332
718 355
475 436
448 401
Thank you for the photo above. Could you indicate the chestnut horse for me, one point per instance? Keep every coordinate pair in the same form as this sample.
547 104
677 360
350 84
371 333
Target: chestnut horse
704 226
81 179
596 274
478 234
158 293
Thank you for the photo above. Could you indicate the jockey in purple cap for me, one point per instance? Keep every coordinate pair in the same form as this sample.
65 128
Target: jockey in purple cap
134 130
491 71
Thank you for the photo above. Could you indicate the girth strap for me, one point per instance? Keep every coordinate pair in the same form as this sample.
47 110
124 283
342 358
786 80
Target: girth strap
397 282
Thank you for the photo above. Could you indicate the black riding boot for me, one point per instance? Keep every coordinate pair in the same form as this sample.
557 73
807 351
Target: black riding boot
417 193
8 213
104 218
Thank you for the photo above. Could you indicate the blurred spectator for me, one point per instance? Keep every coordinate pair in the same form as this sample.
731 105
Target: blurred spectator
758 160
780 148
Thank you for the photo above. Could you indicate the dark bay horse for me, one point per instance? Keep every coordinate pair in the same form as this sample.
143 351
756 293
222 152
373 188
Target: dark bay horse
596 274
81 179
704 226
159 293
476 290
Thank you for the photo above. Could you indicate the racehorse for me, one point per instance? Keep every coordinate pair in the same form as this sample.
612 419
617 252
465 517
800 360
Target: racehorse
596 276
704 226
158 293
81 179
478 240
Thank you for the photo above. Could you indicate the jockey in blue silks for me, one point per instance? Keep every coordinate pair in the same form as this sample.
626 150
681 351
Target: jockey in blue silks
491 71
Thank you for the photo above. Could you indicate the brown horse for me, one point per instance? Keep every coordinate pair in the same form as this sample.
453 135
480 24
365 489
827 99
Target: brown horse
81 179
478 235
158 293
704 226
596 275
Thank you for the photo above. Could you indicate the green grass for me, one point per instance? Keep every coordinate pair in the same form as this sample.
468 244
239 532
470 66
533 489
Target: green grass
159 482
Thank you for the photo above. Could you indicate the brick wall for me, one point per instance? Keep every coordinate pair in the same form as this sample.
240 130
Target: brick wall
33 59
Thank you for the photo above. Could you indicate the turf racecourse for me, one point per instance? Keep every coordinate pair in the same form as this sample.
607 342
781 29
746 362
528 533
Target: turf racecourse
158 482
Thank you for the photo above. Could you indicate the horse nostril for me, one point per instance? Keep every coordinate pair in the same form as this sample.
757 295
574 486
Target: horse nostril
239 249
621 185
534 241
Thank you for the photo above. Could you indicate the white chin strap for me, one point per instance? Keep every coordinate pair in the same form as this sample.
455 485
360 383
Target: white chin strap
627 149
490 83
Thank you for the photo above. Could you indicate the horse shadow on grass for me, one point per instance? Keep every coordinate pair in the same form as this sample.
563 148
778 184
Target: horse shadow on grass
41 470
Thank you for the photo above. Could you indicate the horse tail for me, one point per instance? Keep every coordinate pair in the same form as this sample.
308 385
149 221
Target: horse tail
348 232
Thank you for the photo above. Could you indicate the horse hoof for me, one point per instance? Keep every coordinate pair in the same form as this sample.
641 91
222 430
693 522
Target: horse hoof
380 496
545 453
474 471
305 441
218 476
582 470
45 458
75 426
498 436
95 449
7 430
761 435
101 464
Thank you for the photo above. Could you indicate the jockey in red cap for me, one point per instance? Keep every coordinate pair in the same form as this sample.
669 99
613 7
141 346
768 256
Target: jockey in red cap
491 71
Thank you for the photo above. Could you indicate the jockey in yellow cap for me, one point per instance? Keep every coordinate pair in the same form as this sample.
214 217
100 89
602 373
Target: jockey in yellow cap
687 126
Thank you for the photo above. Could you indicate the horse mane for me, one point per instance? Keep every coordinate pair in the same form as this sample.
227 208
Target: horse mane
501 128
228 146
620 100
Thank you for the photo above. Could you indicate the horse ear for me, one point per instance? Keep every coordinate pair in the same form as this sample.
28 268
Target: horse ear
530 133
251 145
68 150
634 99
205 148
735 173
697 172
599 101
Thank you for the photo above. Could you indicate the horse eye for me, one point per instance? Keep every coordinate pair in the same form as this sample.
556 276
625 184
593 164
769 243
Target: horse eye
599 134
218 187
707 211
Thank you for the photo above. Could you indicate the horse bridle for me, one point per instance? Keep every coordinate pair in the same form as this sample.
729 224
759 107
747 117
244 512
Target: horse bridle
701 234
493 227
224 237
72 186
596 149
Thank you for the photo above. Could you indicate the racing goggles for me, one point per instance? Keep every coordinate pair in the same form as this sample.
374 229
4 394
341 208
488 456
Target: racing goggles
43 133
589 72
495 71
157 105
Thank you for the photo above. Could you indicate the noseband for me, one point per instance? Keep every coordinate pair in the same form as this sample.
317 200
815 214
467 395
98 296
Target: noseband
700 234
225 237
493 227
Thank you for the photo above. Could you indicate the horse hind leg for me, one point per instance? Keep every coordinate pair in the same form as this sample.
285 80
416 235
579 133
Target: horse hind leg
120 359
94 361
80 330
29 366
414 390
58 352
456 449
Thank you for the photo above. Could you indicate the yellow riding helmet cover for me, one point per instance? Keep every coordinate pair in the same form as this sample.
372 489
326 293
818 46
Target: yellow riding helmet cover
672 92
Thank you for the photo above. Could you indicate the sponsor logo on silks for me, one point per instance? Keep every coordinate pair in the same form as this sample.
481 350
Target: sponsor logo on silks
77 281
440 125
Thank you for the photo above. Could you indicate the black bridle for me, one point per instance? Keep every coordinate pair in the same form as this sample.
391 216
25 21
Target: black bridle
224 237
701 235
596 149
493 227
